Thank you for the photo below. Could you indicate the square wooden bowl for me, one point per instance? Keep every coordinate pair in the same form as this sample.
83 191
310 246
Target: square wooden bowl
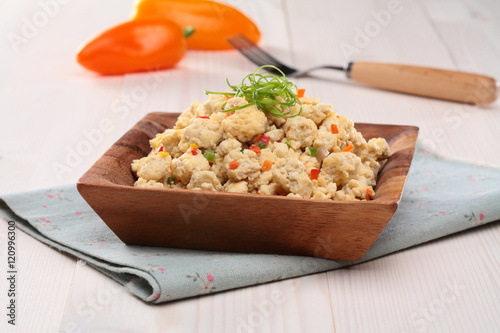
236 222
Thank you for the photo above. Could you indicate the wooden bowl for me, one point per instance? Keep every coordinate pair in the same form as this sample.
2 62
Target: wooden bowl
237 222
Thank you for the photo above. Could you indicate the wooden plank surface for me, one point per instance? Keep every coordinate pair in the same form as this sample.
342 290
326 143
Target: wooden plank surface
49 105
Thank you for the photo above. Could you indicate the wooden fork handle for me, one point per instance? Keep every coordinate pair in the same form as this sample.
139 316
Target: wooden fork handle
424 81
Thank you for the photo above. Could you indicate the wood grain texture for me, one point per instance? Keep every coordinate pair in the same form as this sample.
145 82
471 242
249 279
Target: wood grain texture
428 82
437 287
221 221
34 260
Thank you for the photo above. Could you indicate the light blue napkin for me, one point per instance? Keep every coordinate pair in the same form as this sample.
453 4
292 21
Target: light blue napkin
441 197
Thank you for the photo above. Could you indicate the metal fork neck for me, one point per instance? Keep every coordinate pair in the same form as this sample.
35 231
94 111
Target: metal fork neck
348 69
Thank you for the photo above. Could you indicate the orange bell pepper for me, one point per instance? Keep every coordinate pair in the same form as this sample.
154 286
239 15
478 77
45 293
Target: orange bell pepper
213 22
134 46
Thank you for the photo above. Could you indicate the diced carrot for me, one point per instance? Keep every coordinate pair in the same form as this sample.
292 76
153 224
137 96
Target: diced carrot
301 92
234 164
267 165
348 148
369 194
314 174
334 129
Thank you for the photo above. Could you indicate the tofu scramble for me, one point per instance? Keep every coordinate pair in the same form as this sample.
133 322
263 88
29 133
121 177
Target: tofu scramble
315 154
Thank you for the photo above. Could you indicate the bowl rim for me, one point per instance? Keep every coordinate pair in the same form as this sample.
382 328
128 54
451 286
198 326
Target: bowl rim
90 177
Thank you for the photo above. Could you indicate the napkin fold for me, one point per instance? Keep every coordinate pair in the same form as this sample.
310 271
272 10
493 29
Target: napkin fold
441 197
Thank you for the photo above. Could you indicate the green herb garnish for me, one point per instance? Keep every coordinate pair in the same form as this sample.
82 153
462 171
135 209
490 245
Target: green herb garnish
170 180
313 151
271 93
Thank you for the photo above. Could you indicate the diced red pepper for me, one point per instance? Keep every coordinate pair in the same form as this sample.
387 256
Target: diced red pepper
204 117
234 164
264 138
314 174
194 151
161 149
369 194
255 149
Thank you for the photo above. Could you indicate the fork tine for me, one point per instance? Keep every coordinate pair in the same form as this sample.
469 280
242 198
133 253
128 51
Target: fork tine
249 49
257 55
259 58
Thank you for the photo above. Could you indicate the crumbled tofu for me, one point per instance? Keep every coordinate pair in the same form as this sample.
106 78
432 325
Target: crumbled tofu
236 187
300 132
154 167
245 123
141 182
292 177
340 167
190 162
204 180
249 151
205 133
248 164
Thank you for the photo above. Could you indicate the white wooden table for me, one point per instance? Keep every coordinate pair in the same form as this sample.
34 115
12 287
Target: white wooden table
50 108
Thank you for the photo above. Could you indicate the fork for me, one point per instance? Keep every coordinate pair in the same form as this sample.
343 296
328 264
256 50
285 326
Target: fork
436 83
